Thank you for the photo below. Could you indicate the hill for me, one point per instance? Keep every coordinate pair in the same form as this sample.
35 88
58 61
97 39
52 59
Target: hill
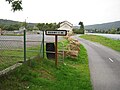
9 22
104 26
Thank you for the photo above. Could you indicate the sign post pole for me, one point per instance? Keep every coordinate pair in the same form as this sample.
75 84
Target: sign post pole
24 46
56 51
43 44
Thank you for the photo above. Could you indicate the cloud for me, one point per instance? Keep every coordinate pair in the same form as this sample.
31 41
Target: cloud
88 11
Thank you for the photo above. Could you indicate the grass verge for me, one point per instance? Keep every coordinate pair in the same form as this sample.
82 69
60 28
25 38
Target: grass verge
114 44
43 75
10 57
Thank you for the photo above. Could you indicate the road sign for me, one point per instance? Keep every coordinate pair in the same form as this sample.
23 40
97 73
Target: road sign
56 32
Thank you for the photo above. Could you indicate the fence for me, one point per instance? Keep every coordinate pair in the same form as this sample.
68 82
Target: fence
13 48
17 47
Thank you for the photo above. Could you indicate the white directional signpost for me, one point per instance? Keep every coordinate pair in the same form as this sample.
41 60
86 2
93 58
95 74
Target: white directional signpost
56 33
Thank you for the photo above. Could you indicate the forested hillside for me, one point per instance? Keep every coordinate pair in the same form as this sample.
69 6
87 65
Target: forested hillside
104 26
10 25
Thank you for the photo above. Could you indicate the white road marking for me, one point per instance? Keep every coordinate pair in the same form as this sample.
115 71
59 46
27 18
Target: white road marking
110 59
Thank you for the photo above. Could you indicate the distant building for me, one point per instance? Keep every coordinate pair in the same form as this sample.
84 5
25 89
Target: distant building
21 28
35 28
65 25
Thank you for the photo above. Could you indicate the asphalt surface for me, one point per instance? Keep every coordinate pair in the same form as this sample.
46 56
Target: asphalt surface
104 65
17 41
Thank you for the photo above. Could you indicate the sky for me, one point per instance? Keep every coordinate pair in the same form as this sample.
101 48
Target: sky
50 11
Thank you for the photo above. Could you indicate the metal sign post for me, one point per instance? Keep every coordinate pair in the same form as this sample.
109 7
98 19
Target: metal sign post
43 44
56 51
24 46
56 33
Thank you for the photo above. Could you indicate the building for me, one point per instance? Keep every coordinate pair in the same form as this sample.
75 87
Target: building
65 25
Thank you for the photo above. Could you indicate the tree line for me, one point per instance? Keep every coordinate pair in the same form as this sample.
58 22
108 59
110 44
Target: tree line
79 30
48 26
109 31
39 26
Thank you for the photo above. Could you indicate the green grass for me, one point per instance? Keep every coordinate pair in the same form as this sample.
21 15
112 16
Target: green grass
114 44
43 75
10 57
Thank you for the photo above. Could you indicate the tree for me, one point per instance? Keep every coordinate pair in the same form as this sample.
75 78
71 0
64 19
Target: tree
118 29
41 26
0 31
81 27
47 26
15 26
15 4
1 26
24 24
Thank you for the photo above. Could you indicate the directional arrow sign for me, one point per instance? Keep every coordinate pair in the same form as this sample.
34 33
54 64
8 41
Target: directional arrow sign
56 32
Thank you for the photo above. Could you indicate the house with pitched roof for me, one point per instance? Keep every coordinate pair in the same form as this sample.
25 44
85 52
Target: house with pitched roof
65 25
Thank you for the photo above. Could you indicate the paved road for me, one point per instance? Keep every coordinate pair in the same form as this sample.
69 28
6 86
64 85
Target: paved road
104 66
17 41
113 36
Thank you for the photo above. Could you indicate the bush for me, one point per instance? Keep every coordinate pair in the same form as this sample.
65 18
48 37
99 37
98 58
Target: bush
78 31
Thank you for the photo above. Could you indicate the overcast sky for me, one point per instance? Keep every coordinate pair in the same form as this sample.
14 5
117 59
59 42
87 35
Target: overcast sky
87 11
